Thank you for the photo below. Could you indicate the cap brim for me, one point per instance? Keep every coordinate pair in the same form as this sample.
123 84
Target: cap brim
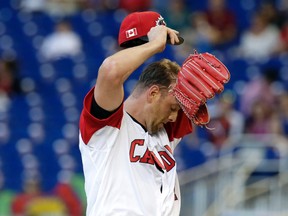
144 39
181 40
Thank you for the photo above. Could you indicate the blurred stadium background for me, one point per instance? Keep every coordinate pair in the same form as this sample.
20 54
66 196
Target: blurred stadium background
222 172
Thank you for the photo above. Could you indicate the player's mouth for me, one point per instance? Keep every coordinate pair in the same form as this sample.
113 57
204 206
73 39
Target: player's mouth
161 125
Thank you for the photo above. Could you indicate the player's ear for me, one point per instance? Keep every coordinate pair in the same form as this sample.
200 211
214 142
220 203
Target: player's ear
153 93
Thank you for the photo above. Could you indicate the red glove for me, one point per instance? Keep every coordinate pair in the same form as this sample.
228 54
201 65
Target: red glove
199 79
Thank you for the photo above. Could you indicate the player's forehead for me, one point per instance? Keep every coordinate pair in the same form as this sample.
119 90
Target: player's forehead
171 100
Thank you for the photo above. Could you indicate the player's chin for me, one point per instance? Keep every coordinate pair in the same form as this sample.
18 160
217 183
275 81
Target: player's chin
156 129
160 127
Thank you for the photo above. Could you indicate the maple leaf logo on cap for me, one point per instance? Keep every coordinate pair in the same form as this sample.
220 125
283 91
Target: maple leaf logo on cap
160 21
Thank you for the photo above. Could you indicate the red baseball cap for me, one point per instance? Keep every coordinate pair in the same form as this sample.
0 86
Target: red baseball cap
135 27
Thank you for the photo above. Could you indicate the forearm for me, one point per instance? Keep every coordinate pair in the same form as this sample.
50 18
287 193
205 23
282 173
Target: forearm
123 63
116 69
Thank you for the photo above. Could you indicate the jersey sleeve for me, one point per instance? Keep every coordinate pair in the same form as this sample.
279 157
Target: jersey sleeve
89 124
181 127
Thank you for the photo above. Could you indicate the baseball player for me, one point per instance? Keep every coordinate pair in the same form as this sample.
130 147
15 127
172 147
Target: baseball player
127 146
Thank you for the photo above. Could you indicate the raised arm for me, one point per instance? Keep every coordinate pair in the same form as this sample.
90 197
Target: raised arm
115 69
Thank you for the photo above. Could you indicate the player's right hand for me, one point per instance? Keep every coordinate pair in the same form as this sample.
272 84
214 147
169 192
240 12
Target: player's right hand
159 34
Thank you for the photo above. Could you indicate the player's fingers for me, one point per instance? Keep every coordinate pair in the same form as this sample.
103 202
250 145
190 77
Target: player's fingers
173 35
157 32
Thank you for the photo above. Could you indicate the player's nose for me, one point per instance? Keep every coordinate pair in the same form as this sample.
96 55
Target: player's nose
172 117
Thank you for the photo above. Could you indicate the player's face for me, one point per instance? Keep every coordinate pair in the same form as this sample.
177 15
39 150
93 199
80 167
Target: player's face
164 110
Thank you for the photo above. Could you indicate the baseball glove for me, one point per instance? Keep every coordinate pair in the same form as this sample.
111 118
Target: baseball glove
199 79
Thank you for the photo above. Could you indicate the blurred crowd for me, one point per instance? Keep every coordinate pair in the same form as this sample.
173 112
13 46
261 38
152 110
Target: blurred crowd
260 106
262 34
